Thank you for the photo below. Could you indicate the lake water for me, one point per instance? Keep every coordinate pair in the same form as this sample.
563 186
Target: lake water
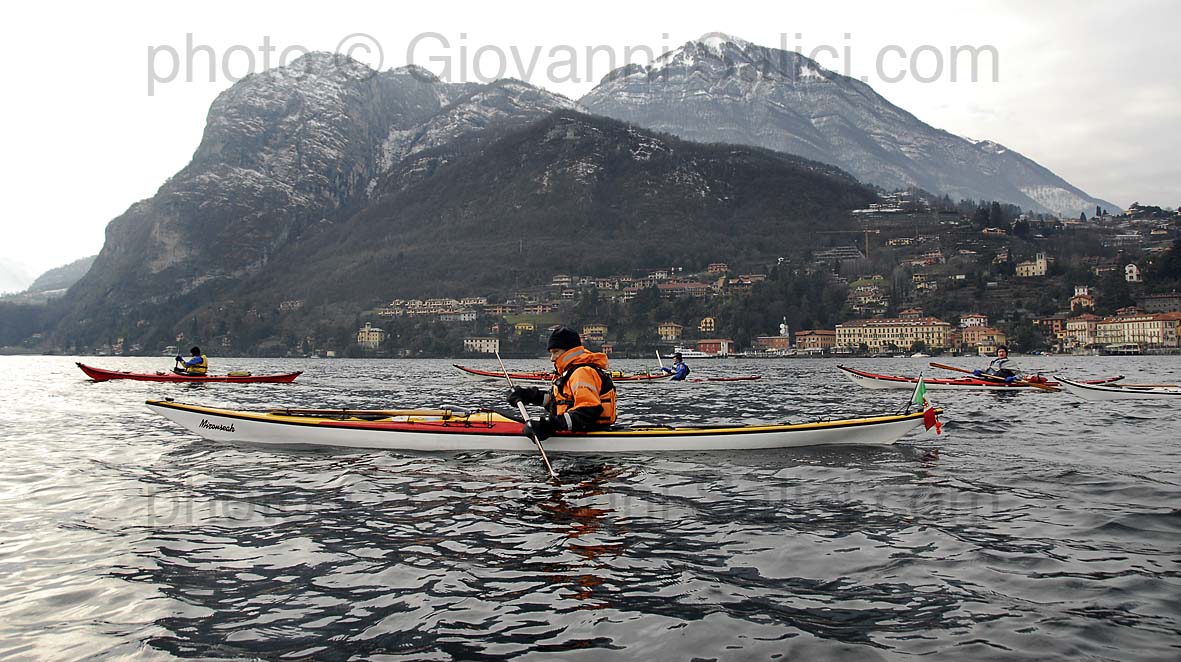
1037 527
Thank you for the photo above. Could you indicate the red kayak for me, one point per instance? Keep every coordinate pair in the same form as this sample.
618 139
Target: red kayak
616 376
100 375
878 381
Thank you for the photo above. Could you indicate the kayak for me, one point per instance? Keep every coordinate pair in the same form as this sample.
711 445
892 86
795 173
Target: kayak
101 375
879 381
460 430
1089 391
616 376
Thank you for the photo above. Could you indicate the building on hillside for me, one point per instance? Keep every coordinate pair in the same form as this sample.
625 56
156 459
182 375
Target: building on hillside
521 328
867 296
910 314
1160 303
1082 298
669 331
1100 265
1133 238
594 332
1039 266
1147 330
983 340
718 268
816 341
838 254
973 319
716 346
369 336
458 316
893 334
1052 326
1081 331
772 343
673 290
1132 273
481 345
707 325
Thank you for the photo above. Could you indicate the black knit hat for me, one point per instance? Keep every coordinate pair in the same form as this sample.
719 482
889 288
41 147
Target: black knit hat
563 338
195 351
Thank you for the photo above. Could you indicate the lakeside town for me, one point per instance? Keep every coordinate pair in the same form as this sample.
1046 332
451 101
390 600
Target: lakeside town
911 274
914 281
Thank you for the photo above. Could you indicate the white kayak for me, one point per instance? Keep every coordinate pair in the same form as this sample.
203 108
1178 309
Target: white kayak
1121 391
458 430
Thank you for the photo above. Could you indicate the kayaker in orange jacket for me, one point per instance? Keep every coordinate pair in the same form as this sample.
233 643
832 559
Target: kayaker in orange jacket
581 398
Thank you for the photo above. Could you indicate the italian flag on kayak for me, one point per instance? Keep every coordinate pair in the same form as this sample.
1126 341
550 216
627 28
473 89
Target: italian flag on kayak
930 419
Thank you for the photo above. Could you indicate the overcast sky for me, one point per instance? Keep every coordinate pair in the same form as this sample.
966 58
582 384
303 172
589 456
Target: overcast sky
92 123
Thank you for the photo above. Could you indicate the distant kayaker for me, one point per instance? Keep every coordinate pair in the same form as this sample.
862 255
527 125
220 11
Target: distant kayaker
196 364
581 398
678 367
1000 366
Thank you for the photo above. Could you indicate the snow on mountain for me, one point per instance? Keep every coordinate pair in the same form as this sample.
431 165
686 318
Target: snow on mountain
723 89
501 104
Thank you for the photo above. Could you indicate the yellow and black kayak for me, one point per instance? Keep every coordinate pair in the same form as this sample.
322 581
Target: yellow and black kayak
461 430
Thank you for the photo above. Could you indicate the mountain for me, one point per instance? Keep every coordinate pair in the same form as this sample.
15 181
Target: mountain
341 187
51 284
571 193
723 89
61 278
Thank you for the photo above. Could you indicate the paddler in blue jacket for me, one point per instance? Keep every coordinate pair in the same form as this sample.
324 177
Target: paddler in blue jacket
581 398
679 367
197 364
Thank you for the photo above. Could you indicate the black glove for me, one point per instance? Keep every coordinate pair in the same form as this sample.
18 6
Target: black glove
541 427
180 358
528 394
978 373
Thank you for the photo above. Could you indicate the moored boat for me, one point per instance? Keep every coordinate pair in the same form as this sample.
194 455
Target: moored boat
616 376
1089 391
103 375
455 430
879 381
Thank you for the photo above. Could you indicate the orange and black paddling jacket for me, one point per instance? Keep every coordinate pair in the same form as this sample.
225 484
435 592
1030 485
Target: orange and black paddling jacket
583 393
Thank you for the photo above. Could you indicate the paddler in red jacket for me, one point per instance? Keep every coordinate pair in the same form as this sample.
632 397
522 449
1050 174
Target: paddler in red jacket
581 398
